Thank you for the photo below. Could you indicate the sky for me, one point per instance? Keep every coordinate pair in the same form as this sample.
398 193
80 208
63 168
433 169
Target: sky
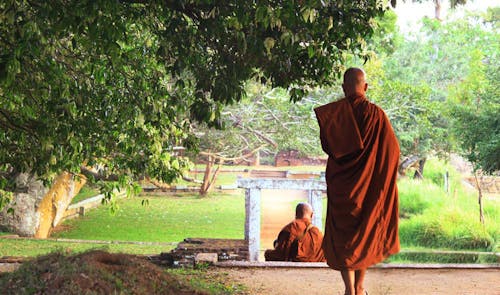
409 13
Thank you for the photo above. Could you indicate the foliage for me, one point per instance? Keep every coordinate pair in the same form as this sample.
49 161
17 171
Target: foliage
413 115
476 113
261 125
415 81
265 121
386 37
116 84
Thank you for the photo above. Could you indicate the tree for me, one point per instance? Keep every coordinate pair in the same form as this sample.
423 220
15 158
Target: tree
437 6
115 85
263 123
475 109
428 65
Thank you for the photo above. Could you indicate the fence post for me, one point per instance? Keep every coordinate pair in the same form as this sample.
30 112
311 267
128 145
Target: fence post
315 198
252 222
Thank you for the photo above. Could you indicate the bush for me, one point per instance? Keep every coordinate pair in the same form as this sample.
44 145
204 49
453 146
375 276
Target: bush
415 196
435 170
432 218
449 229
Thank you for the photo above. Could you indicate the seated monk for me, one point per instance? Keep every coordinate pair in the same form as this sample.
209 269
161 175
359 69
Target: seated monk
300 240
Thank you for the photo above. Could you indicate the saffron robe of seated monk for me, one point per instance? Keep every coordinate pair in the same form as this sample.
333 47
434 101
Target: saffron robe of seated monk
309 247
363 153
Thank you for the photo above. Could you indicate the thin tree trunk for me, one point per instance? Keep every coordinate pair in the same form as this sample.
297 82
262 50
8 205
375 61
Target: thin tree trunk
480 199
447 182
209 177
206 176
419 172
437 9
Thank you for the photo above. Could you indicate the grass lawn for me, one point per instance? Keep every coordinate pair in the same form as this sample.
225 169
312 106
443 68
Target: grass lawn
85 193
168 218
31 247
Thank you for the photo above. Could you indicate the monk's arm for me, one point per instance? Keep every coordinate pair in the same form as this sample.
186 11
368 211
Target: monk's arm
282 248
318 237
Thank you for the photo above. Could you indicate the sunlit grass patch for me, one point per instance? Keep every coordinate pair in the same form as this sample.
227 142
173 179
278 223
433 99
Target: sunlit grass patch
166 218
36 247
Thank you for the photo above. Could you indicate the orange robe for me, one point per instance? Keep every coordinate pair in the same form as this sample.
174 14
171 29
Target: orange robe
362 215
309 247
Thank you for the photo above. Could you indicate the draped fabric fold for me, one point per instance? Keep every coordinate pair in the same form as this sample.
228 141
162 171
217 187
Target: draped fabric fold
307 250
361 226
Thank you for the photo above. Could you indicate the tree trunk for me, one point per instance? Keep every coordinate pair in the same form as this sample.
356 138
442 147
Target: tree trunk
209 177
206 175
407 163
480 199
56 201
447 182
437 9
419 172
38 209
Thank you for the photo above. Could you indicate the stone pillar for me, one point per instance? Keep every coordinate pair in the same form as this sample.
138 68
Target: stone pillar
315 198
252 222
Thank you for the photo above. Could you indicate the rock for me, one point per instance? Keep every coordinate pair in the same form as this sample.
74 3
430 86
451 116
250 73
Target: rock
210 258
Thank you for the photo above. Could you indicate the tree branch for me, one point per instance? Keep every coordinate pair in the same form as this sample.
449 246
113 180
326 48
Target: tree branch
89 172
243 157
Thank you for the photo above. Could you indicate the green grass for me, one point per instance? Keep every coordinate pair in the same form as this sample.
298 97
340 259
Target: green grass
432 218
32 248
423 257
85 193
166 219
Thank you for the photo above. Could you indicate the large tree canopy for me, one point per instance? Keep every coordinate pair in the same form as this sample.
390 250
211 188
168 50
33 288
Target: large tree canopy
115 84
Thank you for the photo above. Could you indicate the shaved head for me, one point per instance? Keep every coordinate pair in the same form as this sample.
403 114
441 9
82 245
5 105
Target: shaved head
354 82
303 210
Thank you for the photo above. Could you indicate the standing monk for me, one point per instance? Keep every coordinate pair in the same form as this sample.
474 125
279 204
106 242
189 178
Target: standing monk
363 153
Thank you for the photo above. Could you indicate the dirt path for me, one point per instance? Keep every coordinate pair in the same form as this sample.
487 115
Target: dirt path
264 281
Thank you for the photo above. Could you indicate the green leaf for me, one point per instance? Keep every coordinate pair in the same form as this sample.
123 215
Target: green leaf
269 44
310 51
175 164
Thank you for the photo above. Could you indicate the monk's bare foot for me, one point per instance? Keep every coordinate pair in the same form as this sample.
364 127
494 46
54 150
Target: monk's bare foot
361 292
